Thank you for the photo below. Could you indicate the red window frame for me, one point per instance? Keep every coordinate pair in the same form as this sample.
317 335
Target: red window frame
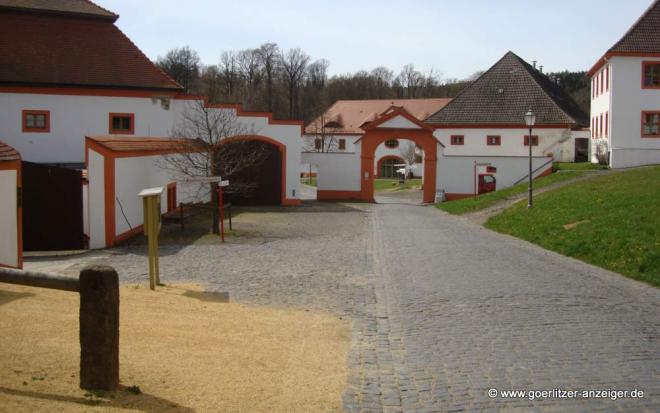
535 140
644 65
602 83
457 139
644 114
34 129
171 196
593 132
392 143
114 131
600 125
342 144
493 140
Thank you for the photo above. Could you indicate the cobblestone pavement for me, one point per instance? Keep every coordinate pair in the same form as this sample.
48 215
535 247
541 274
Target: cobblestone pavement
442 309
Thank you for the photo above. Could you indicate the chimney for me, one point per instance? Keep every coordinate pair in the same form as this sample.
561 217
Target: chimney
541 68
534 63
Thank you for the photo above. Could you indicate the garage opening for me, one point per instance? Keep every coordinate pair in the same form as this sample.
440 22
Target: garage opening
254 170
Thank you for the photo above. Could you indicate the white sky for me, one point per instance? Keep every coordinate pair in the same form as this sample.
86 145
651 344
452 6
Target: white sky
454 37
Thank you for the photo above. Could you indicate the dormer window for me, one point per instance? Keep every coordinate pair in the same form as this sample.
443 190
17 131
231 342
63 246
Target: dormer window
333 124
651 73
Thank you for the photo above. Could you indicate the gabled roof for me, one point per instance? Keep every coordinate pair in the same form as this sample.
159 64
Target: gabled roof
7 153
504 93
69 50
393 112
355 114
642 38
71 7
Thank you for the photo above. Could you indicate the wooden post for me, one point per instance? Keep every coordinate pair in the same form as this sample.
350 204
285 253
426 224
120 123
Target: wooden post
99 328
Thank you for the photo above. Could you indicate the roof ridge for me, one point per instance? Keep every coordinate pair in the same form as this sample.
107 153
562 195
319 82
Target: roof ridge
102 8
637 22
151 63
465 89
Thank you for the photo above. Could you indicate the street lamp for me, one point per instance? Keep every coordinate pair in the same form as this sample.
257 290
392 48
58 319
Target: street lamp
530 120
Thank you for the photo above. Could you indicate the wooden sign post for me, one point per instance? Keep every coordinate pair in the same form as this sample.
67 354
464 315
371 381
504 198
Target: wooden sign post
152 222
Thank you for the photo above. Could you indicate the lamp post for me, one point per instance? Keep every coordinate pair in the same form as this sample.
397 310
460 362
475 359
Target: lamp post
530 120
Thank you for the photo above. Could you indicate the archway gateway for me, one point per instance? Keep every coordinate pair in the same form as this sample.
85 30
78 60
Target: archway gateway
397 123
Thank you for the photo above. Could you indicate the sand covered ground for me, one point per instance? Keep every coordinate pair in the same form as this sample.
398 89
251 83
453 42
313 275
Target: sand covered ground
186 350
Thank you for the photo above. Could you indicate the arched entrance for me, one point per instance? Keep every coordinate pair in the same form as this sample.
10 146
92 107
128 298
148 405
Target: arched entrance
397 123
263 179
386 166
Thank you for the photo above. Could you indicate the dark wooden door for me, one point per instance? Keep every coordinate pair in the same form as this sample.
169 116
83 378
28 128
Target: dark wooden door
52 208
487 183
581 149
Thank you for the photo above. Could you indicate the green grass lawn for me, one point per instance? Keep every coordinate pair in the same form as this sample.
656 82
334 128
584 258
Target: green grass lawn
463 206
309 181
576 166
612 221
393 184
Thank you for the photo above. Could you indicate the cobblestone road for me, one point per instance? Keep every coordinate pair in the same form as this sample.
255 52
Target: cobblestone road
442 309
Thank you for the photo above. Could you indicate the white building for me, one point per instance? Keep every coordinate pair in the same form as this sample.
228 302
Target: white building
625 96
474 143
67 72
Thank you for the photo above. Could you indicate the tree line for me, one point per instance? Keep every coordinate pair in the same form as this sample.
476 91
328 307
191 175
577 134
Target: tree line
291 85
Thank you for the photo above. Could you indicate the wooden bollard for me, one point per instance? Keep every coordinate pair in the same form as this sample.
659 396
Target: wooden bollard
99 328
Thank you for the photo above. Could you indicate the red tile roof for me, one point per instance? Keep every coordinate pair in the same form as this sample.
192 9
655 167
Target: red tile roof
142 144
58 50
350 115
72 7
7 153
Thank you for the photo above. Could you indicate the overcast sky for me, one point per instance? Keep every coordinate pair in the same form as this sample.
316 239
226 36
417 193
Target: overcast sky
454 37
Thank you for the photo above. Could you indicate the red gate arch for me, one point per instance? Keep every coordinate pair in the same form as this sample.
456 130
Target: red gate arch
375 135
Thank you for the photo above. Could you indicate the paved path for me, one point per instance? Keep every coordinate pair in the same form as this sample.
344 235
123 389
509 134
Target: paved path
442 310
468 310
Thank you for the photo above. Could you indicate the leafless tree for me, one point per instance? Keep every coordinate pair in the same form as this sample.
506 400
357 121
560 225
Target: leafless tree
268 56
182 64
293 62
383 81
409 153
202 149
249 67
324 139
411 80
229 73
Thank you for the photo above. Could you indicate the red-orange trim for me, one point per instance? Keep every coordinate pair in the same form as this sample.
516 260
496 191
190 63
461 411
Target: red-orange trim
113 131
25 128
606 57
17 166
535 140
375 136
384 158
240 112
395 111
607 118
325 195
171 196
501 126
81 91
646 63
649 112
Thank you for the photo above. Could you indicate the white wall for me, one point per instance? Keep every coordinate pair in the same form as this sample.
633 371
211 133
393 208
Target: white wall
134 174
8 219
96 200
336 171
71 119
601 104
512 141
628 100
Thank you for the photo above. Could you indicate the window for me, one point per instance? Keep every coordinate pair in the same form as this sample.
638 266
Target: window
607 78
392 143
607 116
457 140
650 75
493 140
600 125
593 131
317 144
342 144
535 140
36 121
650 121
122 123
602 83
